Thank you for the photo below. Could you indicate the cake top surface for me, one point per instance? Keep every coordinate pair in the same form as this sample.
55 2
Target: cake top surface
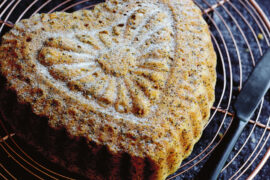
137 76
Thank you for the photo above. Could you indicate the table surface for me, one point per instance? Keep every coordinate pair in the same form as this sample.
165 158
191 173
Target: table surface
264 173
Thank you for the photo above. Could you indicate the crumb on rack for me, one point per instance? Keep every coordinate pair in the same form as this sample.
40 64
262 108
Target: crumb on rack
220 135
260 36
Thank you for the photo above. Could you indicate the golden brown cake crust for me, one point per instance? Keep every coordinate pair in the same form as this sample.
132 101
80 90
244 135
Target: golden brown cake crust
135 76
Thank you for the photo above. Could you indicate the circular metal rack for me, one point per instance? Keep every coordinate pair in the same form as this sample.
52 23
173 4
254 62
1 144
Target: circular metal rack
240 32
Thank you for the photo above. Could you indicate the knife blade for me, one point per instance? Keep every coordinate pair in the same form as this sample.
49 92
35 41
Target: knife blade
246 103
254 89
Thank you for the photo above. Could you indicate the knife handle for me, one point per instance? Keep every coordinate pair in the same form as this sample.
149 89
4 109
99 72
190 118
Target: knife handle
215 163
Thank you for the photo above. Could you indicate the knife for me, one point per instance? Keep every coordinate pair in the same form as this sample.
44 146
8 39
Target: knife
246 103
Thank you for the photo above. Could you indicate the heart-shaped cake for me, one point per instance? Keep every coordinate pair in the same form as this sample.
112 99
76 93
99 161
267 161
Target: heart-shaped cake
120 91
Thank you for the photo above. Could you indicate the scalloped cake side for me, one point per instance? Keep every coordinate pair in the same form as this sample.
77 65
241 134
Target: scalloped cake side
133 77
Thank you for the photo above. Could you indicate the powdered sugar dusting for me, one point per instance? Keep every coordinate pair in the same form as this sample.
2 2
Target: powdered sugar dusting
117 51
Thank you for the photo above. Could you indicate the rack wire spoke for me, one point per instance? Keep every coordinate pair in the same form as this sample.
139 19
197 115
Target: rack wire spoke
7 171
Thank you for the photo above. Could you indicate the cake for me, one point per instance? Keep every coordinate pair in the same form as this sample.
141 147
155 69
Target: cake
122 91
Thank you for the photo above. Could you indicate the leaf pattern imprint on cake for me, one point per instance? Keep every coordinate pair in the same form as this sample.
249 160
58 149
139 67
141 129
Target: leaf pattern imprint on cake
125 65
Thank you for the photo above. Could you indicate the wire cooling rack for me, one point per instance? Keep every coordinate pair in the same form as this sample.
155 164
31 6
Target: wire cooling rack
240 32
